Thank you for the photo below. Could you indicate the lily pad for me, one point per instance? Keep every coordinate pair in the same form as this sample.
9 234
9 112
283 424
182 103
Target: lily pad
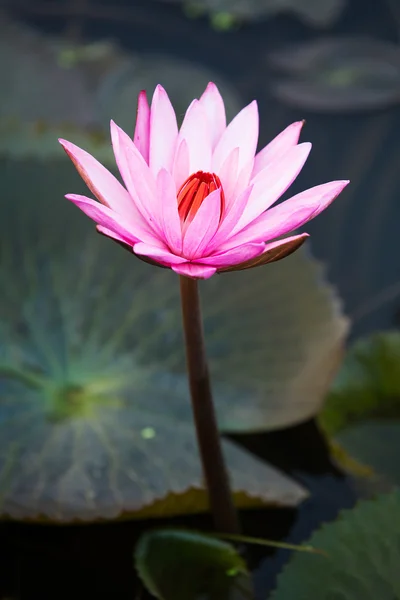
338 74
364 396
317 13
362 557
95 414
367 385
185 565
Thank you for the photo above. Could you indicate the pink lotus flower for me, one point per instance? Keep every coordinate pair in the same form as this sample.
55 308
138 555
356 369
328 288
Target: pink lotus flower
198 199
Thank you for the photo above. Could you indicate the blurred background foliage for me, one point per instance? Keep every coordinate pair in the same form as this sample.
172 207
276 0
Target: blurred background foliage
94 419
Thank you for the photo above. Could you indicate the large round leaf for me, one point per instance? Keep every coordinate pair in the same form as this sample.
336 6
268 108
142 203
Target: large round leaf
361 562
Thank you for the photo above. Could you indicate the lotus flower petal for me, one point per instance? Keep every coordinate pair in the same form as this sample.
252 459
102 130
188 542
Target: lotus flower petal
198 200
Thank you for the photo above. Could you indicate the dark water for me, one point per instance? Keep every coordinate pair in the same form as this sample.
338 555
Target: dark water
357 238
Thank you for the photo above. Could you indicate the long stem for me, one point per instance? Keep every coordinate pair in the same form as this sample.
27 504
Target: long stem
208 438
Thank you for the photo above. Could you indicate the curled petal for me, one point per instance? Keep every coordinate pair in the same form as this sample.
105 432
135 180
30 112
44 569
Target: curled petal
141 136
272 252
194 271
214 107
280 144
163 131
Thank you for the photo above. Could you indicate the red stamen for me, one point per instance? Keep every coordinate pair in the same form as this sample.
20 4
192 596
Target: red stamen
193 192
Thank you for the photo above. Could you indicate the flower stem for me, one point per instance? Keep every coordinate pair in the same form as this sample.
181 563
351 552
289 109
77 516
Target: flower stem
208 438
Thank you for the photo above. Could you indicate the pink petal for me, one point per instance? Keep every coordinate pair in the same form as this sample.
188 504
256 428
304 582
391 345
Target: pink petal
141 136
272 182
99 180
137 176
229 221
129 231
194 271
111 234
280 144
289 215
228 175
233 256
171 222
161 255
242 132
181 166
214 107
163 131
203 227
272 253
195 131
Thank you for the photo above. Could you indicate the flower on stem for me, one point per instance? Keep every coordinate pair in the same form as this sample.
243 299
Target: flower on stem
198 199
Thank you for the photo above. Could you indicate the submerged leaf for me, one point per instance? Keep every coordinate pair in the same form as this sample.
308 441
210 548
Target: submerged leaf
184 565
338 74
95 412
363 554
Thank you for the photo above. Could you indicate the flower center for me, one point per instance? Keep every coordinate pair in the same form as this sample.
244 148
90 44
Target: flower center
193 192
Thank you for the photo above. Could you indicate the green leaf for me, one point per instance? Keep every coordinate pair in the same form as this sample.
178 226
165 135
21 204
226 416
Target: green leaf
184 565
95 412
362 557
367 385
362 410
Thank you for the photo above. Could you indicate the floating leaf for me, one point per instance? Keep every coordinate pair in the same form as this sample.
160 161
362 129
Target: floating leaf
338 74
364 396
184 565
317 13
367 385
363 554
377 444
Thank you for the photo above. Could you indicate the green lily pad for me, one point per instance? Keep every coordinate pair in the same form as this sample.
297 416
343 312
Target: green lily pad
362 412
95 414
362 557
367 385
184 565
